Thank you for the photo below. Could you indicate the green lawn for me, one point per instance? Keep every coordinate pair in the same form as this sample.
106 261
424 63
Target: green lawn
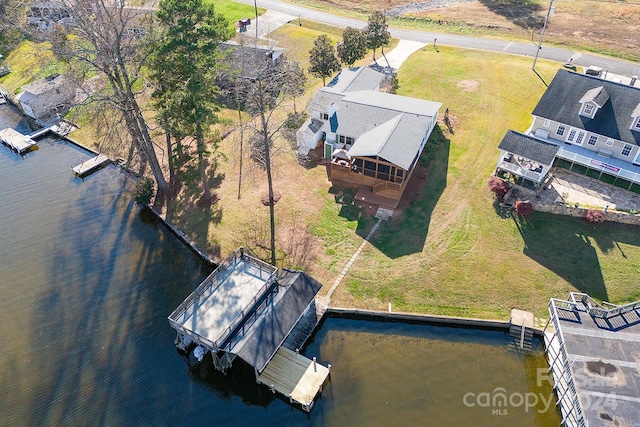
451 251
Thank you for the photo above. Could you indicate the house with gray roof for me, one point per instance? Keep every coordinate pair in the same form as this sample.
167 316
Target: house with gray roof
590 122
373 139
44 97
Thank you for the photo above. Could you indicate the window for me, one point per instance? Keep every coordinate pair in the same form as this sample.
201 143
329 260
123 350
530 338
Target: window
592 140
587 110
609 142
637 125
324 116
345 139
546 123
579 138
626 150
572 135
561 130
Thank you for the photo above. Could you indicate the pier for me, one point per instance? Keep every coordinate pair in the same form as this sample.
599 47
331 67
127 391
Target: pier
246 308
16 141
87 167
593 351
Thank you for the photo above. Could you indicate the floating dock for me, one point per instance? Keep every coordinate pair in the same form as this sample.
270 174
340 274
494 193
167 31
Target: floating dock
16 141
91 165
247 309
594 357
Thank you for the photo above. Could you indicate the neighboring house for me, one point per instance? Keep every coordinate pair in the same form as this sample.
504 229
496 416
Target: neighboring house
589 122
42 98
374 139
246 60
45 15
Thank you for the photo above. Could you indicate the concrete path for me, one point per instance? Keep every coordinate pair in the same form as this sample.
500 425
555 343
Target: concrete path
401 52
270 21
352 260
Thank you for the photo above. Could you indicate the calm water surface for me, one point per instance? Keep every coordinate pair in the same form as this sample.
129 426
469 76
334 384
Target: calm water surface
87 280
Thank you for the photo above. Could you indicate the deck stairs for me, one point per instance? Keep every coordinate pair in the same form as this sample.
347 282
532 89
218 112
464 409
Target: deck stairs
384 213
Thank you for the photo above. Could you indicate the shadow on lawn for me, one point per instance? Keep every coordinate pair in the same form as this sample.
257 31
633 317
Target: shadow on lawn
188 213
567 246
406 235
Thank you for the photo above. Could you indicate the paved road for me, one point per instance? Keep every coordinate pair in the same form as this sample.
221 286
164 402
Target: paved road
615 66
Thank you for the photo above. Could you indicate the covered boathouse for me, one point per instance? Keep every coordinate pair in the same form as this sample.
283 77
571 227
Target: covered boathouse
594 355
246 308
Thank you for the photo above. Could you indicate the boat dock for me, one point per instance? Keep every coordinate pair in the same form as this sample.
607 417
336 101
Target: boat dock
593 356
16 141
247 308
89 166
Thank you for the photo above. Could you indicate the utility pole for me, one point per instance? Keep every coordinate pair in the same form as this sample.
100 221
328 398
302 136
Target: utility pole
544 27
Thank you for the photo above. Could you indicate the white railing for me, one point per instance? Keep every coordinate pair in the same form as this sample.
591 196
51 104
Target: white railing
521 171
572 409
586 161
211 283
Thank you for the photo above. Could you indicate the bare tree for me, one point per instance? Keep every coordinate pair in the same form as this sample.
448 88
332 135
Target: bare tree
267 86
109 39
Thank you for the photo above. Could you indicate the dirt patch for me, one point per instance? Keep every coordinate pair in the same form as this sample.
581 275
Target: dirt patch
468 85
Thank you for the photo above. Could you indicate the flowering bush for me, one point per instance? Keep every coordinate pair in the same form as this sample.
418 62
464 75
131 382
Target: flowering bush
498 187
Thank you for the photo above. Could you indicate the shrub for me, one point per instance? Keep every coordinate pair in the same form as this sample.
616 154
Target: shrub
523 208
595 216
498 187
144 190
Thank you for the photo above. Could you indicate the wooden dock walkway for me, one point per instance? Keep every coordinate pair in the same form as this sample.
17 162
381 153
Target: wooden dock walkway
16 141
295 377
91 165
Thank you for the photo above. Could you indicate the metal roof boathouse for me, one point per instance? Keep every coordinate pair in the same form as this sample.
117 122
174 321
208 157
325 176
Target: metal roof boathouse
246 308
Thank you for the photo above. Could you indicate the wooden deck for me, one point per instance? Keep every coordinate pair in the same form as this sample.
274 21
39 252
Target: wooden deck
295 377
16 141
90 165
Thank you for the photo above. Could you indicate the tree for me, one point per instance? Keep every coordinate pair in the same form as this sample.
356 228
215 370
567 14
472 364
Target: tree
498 187
323 58
353 46
295 82
184 64
100 44
266 93
377 32
524 208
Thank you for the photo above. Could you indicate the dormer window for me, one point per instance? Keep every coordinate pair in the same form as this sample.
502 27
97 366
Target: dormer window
592 101
587 109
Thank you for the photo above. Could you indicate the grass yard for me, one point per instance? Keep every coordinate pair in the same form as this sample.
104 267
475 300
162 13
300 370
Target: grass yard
450 251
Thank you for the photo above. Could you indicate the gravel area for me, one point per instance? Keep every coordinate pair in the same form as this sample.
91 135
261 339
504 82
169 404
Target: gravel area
422 6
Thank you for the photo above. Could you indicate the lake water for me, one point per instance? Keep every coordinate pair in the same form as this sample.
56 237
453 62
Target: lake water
87 280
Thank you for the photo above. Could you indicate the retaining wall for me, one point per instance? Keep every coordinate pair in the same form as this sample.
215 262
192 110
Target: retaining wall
579 212
426 319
